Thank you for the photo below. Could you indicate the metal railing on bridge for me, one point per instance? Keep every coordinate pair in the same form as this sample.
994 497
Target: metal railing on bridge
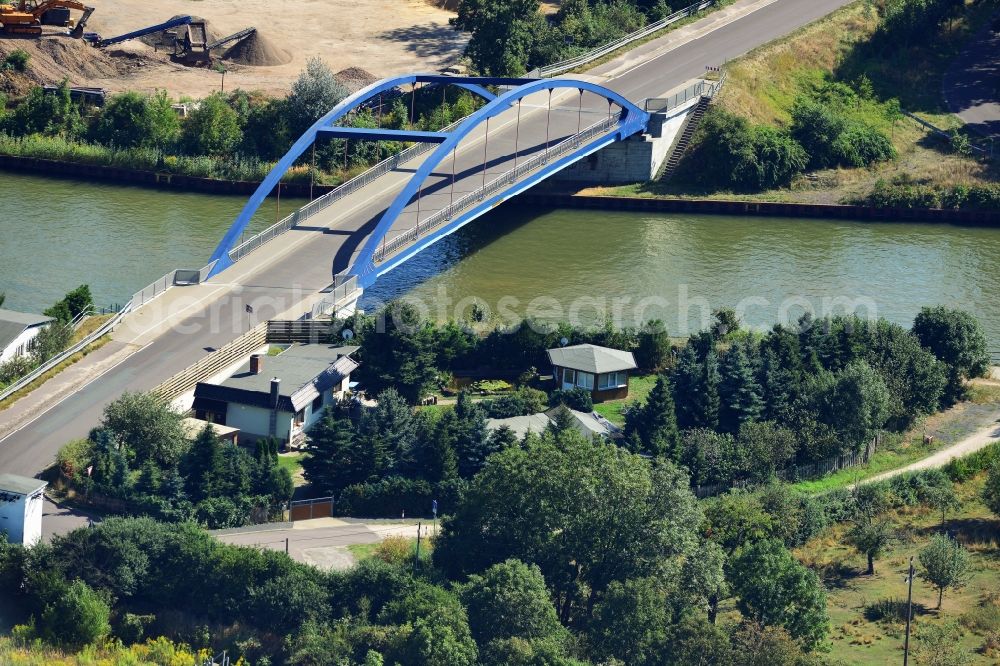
611 47
325 201
344 285
695 91
498 184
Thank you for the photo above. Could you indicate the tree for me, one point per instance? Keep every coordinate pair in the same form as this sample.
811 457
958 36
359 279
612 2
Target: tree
146 427
133 120
78 616
397 351
51 340
631 623
756 644
776 590
853 403
502 34
945 564
213 128
696 393
957 339
313 94
332 463
73 304
537 504
653 351
871 538
203 465
472 442
942 497
991 491
940 645
51 114
767 448
740 398
652 427
509 600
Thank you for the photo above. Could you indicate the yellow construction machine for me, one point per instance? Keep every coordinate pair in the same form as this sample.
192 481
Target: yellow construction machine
26 17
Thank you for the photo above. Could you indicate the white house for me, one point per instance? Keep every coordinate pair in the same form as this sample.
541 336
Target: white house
17 330
21 503
278 396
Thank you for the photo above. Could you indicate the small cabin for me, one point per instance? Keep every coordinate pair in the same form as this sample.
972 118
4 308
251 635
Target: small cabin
601 370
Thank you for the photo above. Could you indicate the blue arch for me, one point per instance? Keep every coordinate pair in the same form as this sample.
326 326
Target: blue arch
220 257
632 119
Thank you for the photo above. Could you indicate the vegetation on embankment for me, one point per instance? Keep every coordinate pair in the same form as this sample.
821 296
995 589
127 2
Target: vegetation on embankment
236 137
816 117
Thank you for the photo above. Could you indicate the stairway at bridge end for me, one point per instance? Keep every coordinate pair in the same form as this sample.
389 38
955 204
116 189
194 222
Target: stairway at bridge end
635 160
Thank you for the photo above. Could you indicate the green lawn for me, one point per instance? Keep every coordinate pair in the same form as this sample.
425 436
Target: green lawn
639 388
293 463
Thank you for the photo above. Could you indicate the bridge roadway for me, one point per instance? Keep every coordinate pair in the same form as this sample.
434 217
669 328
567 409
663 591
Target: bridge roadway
286 275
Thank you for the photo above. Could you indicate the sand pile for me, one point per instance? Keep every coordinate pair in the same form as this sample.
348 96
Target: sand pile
162 38
355 78
54 58
257 50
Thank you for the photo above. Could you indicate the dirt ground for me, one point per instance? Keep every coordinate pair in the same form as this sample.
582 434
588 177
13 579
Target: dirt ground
383 37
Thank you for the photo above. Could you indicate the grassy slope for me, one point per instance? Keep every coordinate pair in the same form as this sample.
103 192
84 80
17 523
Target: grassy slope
857 640
762 86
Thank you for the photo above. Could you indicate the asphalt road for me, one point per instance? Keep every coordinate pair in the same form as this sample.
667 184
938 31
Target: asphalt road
972 84
277 283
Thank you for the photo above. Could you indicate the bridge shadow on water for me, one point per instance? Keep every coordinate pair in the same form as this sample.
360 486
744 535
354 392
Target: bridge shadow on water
449 251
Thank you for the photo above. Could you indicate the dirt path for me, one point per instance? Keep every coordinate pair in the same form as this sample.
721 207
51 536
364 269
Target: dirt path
977 440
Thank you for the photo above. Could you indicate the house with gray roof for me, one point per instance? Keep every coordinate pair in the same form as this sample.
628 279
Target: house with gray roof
589 425
17 330
278 396
601 370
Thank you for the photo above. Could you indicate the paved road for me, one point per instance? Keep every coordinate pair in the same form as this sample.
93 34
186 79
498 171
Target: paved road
287 273
972 84
323 542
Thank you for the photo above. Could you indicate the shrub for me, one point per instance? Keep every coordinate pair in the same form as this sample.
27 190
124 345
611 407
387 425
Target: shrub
79 616
388 498
862 145
892 610
395 550
17 60
577 398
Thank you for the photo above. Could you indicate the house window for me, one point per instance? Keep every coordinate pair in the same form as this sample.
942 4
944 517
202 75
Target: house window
585 380
569 377
613 380
317 403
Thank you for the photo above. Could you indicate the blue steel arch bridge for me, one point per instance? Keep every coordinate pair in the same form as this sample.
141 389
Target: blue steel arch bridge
525 131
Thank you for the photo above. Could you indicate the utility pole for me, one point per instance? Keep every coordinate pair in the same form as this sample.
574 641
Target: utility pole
909 613
416 559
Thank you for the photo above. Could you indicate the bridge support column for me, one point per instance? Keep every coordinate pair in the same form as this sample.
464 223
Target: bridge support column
636 159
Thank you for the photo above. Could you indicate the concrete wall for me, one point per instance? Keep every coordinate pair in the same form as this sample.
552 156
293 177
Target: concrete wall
19 347
636 159
254 421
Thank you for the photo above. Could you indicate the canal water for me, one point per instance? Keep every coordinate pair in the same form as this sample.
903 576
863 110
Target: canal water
583 266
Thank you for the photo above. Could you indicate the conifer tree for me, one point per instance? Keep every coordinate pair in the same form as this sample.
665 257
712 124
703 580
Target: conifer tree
740 398
652 427
332 463
203 465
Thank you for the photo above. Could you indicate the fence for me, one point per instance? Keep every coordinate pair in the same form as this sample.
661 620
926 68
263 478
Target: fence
601 51
697 90
187 379
98 333
320 203
284 332
308 509
937 130
344 286
801 472
508 178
